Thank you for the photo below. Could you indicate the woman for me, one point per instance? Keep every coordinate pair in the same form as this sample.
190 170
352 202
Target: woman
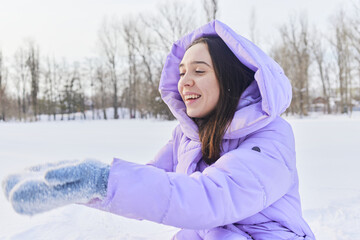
227 173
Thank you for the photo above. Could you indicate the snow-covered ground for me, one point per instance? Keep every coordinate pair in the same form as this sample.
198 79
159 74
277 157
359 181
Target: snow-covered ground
328 162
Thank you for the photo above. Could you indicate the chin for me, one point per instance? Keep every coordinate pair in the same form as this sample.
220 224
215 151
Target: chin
192 114
195 115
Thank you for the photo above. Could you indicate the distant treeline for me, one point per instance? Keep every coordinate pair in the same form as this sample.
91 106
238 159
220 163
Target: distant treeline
322 64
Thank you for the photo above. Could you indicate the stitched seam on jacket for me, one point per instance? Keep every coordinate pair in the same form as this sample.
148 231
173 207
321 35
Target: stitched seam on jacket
169 201
259 182
282 157
291 171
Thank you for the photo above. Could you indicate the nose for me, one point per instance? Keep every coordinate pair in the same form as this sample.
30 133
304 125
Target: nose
186 81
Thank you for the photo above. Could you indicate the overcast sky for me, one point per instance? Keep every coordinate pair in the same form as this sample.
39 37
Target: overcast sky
68 28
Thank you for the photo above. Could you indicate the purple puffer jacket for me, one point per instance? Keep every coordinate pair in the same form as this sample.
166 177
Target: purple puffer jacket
251 192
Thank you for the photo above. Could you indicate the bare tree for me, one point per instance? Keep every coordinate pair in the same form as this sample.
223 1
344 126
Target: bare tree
318 52
97 76
295 37
149 66
211 8
109 36
101 78
341 47
170 22
61 77
22 78
354 36
79 90
33 63
47 87
51 88
3 84
129 34
74 93
89 74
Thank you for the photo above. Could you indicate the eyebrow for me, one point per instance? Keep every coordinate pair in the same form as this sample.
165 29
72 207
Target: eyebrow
196 62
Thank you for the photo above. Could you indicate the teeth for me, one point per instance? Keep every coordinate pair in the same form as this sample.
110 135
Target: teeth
191 96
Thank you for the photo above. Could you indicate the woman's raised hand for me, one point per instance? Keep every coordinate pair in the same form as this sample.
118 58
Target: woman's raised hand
45 187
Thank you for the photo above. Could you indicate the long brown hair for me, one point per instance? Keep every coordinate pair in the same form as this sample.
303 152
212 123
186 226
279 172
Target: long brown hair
234 77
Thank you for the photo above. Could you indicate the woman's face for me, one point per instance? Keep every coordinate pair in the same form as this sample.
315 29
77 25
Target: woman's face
198 85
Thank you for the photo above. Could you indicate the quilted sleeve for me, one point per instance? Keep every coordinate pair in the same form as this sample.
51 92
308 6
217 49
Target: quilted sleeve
241 183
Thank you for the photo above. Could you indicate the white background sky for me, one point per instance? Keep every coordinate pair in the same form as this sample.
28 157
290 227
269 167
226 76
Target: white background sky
68 28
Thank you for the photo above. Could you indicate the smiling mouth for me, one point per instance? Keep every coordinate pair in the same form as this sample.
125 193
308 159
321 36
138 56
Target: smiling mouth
192 97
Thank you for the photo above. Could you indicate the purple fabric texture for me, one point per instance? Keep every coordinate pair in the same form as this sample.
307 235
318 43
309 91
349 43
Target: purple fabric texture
246 194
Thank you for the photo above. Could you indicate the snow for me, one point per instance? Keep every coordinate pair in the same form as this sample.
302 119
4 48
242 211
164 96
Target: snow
327 159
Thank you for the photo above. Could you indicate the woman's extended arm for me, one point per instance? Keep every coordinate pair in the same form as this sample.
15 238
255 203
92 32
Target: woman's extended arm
241 183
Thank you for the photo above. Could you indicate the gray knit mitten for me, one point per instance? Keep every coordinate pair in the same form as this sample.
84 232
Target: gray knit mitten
45 187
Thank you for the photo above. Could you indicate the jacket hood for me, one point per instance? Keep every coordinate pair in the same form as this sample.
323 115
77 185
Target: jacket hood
266 97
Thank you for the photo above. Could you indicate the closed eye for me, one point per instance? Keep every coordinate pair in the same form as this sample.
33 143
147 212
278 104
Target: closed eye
182 74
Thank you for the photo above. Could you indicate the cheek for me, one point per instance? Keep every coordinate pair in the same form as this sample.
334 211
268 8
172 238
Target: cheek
179 88
215 92
215 97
